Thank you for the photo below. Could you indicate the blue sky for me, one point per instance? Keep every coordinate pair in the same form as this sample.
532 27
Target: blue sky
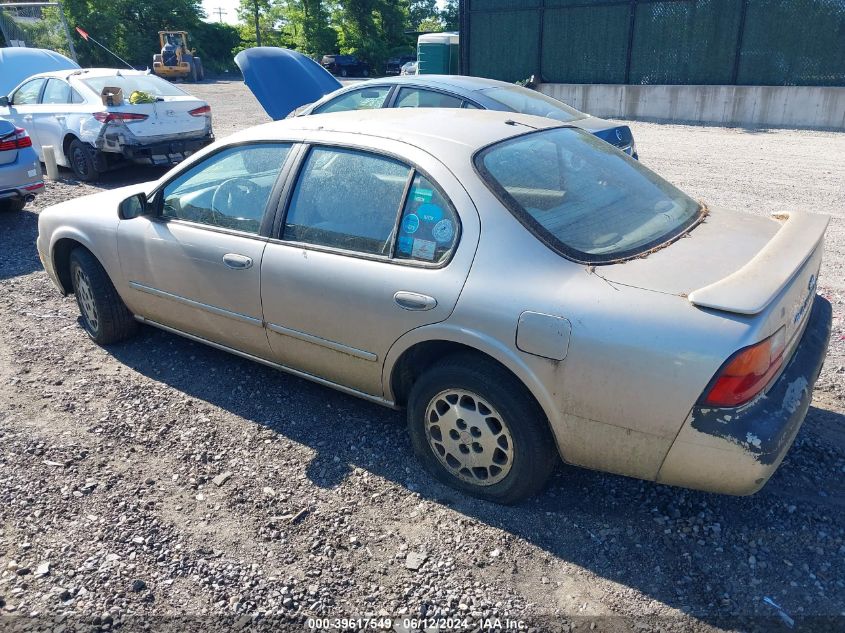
230 7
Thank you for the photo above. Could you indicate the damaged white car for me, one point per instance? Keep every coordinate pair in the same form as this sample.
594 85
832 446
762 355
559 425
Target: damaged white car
101 118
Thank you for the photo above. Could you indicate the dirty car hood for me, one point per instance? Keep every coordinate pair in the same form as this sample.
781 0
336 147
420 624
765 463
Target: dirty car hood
722 244
283 80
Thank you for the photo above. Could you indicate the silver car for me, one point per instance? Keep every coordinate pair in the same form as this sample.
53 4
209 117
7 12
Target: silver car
20 170
526 291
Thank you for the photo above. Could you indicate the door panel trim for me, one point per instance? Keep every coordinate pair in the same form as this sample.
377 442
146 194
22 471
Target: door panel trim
323 342
288 370
196 304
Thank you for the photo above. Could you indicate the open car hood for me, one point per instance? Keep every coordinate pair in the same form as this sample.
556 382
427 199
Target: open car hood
283 80
19 63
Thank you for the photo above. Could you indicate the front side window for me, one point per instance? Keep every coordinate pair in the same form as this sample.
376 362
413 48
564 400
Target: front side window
28 93
57 91
519 99
583 197
347 199
364 99
230 189
418 98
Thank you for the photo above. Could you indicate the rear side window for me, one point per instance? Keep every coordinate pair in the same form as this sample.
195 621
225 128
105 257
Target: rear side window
584 198
28 93
418 98
347 199
364 99
57 91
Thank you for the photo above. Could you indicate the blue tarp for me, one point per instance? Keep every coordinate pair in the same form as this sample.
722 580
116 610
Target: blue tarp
18 63
283 80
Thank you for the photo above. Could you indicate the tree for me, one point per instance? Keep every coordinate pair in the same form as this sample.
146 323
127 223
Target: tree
420 11
430 25
449 15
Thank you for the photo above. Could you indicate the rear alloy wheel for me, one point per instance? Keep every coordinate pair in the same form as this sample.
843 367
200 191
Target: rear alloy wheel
83 161
365 73
343 72
104 315
476 428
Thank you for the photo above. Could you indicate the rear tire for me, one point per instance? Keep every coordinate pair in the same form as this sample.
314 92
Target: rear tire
200 69
12 204
343 72
476 428
105 317
83 161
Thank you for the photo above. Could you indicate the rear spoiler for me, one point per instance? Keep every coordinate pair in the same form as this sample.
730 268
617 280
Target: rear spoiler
754 286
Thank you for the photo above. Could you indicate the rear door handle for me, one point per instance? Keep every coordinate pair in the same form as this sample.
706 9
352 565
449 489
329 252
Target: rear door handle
414 301
238 262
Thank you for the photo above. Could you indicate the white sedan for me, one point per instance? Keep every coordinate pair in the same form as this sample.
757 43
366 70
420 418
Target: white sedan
147 119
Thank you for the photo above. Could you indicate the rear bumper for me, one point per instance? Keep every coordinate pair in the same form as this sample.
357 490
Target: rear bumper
736 451
23 192
162 152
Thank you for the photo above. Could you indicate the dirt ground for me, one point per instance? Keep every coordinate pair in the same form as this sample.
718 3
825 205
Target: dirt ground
114 513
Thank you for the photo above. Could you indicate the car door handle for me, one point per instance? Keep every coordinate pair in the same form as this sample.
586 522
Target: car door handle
238 262
414 301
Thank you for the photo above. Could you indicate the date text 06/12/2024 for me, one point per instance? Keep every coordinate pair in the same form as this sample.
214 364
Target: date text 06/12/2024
414 624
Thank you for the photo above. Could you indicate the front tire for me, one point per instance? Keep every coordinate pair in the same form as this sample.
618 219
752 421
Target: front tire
83 161
476 428
105 317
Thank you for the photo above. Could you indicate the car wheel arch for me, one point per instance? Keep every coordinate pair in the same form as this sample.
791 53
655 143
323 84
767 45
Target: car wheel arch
60 257
405 362
69 138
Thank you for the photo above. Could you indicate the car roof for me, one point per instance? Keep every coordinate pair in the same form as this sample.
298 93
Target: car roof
92 72
454 82
431 129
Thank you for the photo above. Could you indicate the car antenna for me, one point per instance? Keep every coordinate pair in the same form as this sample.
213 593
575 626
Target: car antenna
515 123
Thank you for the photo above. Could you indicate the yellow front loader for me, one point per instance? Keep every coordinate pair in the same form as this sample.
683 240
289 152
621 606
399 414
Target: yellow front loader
176 60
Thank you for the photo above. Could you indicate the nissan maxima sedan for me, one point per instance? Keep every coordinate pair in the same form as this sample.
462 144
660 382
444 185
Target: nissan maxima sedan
527 292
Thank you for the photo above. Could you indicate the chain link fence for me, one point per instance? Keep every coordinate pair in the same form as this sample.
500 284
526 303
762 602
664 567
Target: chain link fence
35 25
717 42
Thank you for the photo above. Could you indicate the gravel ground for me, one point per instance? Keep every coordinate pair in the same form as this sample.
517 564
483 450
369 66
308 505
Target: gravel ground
162 479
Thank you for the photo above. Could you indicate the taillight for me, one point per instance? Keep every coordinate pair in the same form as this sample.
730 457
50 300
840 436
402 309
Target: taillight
747 372
16 140
108 117
201 111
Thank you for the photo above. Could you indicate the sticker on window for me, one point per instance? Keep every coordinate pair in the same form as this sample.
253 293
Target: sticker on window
443 231
430 213
411 224
422 195
424 249
405 245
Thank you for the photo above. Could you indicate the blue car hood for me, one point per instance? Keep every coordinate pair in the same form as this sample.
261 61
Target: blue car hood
18 63
283 80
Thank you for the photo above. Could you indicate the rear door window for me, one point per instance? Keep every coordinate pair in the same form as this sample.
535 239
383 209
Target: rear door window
368 98
56 91
584 198
419 98
347 199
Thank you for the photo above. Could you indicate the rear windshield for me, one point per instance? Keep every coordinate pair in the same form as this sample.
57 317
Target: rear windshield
151 84
528 101
584 198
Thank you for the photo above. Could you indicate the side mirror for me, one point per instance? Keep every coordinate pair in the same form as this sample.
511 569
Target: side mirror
4 101
133 207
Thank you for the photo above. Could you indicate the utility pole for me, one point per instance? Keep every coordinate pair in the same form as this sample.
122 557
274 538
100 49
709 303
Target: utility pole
220 11
257 31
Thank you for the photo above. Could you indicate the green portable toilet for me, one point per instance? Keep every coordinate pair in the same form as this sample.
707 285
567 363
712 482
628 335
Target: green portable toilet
437 54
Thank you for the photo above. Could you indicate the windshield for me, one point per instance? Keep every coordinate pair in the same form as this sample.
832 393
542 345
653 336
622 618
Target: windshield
584 198
156 86
528 101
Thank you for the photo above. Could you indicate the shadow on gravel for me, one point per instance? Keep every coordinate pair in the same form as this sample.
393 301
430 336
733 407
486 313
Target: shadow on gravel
689 550
19 228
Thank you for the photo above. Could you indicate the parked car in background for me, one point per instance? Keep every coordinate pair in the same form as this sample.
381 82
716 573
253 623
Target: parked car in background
409 69
297 80
345 65
147 120
20 170
394 64
601 316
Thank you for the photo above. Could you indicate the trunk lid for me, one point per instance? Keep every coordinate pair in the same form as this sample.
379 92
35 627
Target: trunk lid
168 116
740 264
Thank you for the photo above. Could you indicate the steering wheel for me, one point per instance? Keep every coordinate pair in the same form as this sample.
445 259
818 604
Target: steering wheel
229 193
